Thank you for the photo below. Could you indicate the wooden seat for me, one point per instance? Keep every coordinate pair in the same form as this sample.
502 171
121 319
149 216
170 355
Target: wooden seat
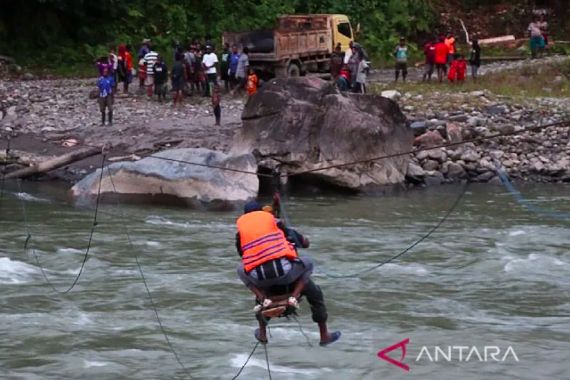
278 308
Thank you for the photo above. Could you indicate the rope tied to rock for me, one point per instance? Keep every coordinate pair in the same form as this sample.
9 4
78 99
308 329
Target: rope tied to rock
524 202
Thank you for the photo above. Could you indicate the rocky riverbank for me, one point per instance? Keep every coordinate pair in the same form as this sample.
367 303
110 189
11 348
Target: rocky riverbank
46 118
439 118
42 117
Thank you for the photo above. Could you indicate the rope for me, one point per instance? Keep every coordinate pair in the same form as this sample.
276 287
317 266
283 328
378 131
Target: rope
86 254
149 294
267 361
563 123
403 252
247 360
302 331
556 215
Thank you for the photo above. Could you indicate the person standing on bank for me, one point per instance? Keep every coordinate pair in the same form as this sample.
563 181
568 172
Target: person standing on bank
475 58
105 85
225 67
401 54
242 69
178 79
209 62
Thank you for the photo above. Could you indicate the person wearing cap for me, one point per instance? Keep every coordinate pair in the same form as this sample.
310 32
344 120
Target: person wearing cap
209 62
145 48
271 266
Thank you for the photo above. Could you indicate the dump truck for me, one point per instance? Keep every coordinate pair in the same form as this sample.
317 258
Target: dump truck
297 45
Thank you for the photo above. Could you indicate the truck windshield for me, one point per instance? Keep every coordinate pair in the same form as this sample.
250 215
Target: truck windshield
344 29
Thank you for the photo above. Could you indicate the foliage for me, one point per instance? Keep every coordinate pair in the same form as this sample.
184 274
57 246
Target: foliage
65 32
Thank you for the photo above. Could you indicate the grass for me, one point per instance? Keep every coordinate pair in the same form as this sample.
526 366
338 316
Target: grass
530 81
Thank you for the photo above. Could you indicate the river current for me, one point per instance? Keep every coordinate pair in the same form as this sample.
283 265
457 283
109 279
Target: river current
494 276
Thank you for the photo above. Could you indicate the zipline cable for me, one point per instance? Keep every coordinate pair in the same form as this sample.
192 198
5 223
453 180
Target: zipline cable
149 294
535 128
267 361
403 252
85 255
247 360
564 123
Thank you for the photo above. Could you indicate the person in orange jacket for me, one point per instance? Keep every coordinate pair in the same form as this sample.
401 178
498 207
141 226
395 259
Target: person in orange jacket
252 82
271 266
441 51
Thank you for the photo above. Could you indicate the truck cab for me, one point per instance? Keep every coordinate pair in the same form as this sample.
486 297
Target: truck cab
342 31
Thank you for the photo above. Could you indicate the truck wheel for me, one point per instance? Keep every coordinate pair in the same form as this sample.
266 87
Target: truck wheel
293 70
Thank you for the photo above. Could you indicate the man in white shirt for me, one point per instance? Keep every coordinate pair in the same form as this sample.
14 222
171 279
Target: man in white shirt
149 60
210 61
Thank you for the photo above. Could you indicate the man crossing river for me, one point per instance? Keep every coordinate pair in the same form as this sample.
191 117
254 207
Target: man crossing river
271 266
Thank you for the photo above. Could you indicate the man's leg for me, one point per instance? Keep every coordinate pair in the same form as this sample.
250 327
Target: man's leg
316 300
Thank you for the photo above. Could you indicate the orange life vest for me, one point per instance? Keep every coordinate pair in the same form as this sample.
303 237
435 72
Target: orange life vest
261 240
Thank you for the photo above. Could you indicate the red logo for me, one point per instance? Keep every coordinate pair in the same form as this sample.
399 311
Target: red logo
402 345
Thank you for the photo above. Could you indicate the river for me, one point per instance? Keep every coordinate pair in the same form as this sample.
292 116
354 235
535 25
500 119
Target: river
493 274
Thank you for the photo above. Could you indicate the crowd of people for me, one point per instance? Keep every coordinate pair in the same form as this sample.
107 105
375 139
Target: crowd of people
196 70
443 58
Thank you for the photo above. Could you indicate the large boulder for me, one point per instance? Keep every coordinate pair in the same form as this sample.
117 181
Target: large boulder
303 124
157 179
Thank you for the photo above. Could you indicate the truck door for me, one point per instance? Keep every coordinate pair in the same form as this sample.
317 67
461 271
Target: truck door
342 32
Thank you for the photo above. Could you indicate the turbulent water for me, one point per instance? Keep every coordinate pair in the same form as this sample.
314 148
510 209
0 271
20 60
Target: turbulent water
492 275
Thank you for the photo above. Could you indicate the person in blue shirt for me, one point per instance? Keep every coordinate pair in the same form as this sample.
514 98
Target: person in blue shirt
105 85
401 54
234 59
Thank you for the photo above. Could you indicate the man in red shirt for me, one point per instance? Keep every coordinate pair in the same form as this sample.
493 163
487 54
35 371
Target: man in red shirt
429 52
441 51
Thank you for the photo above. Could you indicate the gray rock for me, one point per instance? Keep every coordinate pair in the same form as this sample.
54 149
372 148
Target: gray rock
152 179
430 165
415 173
437 154
419 127
391 94
496 154
470 156
475 121
458 118
434 178
477 93
497 109
422 155
504 128
455 171
305 124
11 112
484 177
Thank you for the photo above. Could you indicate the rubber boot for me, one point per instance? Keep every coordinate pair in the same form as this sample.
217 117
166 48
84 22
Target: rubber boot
110 117
103 118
